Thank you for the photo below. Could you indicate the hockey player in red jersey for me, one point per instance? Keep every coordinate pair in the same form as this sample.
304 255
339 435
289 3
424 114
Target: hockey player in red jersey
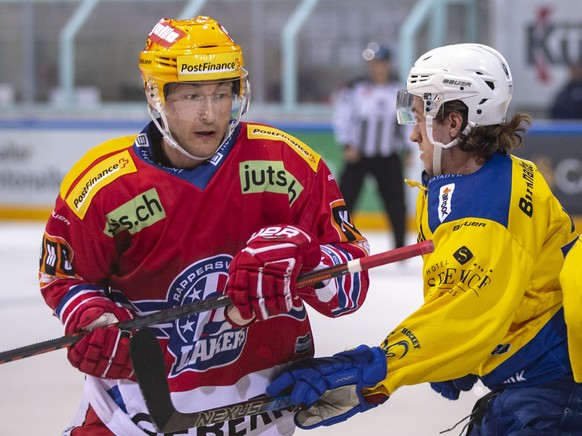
197 204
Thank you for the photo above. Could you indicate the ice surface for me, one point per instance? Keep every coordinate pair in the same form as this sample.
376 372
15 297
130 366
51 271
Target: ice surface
39 395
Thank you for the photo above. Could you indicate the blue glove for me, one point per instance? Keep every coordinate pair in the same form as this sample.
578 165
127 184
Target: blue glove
451 389
330 388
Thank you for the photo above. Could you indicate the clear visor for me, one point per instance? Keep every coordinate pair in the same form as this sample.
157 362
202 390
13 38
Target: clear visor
408 107
186 99
219 104
412 109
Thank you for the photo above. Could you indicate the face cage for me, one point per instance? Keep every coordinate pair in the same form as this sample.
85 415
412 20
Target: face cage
240 105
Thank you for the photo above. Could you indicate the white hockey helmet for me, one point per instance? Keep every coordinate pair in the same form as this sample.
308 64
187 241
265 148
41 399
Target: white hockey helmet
476 74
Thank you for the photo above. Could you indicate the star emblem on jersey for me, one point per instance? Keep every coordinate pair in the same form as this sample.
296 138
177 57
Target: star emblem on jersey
203 340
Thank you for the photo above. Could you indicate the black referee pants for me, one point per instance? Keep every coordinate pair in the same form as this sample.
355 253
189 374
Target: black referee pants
390 180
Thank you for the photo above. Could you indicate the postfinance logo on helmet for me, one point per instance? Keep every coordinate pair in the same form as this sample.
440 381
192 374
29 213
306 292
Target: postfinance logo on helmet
214 66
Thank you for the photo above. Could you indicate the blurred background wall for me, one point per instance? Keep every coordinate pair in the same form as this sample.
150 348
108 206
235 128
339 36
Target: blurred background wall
69 76
104 38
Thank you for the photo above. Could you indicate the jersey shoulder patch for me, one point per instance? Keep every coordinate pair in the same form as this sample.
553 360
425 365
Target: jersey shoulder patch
485 194
96 169
259 131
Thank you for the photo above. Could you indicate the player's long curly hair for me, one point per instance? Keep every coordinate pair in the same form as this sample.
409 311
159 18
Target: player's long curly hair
484 141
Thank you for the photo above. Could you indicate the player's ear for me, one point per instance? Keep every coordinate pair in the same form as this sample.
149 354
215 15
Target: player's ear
455 124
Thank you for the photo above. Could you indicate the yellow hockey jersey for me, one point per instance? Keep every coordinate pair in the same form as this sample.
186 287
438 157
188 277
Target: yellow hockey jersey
492 298
571 280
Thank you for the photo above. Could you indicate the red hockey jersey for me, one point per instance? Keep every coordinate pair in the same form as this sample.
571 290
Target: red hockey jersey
128 228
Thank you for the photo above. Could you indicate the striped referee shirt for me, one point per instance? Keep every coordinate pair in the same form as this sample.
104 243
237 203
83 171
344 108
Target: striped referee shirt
364 116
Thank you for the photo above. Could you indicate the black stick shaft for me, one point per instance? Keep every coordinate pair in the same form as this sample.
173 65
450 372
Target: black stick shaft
150 370
167 315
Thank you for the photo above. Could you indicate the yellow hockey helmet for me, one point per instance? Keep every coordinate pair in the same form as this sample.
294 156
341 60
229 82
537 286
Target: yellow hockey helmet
192 50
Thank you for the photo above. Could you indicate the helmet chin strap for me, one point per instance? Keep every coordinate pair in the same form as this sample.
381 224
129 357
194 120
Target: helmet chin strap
439 146
155 115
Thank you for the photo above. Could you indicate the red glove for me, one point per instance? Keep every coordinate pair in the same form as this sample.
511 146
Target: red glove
262 276
104 352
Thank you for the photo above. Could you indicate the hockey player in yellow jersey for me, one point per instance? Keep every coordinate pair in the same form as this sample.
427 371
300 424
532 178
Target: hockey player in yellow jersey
493 307
571 280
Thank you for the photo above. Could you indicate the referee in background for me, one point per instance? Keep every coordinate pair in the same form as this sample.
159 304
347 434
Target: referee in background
364 122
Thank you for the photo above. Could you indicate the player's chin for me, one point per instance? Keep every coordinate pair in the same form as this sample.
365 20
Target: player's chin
427 166
204 145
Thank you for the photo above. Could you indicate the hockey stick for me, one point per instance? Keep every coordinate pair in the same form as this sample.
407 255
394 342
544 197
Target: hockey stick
149 367
174 313
132 324
150 370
